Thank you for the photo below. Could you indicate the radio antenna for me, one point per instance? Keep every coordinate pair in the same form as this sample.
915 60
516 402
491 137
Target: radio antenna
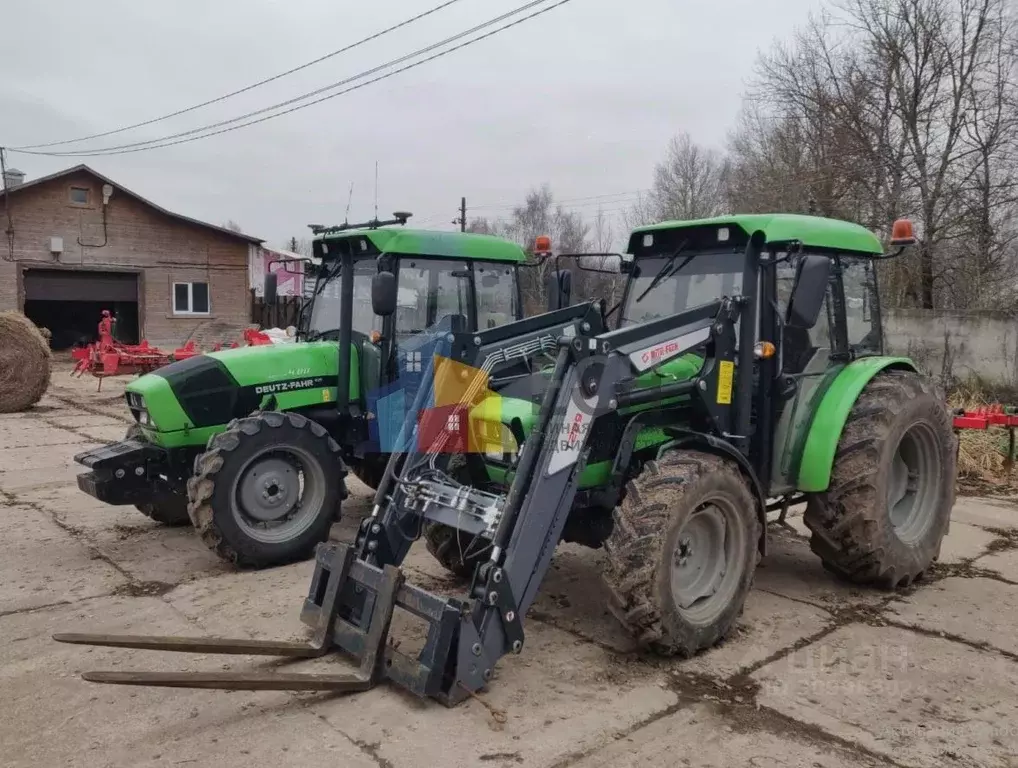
349 201
376 189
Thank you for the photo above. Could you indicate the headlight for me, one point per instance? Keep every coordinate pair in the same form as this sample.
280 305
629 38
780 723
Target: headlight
139 410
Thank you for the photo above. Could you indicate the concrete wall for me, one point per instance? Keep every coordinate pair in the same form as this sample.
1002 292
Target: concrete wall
956 345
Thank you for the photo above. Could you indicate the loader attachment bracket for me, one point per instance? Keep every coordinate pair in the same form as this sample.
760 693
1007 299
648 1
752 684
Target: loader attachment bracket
498 594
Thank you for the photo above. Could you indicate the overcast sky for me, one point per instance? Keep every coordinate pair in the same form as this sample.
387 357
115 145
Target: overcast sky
584 98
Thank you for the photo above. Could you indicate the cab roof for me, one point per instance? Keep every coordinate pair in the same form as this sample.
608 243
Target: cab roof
422 242
811 231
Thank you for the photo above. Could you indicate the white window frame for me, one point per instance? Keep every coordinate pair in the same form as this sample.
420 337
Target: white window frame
190 298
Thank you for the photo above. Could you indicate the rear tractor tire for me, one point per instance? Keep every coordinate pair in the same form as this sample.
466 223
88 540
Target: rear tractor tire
683 551
267 490
883 517
170 511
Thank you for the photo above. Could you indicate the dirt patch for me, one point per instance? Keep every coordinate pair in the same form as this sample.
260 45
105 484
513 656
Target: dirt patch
1007 538
144 589
124 532
502 757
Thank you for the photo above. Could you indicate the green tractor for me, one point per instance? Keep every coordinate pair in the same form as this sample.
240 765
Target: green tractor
251 445
864 439
745 372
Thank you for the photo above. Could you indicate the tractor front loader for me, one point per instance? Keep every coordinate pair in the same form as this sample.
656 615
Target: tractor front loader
681 423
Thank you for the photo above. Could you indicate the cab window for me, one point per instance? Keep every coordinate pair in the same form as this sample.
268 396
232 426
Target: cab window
496 295
429 290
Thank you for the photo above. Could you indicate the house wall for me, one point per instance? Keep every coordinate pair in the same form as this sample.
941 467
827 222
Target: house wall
138 238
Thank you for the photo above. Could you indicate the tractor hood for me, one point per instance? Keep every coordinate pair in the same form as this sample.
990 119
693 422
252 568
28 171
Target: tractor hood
212 389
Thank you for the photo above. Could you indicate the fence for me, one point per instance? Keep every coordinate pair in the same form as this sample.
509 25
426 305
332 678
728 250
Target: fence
282 313
955 346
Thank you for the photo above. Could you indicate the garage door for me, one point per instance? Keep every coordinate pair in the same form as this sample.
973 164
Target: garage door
68 285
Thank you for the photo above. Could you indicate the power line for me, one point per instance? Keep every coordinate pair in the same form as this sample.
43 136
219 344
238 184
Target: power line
251 87
187 136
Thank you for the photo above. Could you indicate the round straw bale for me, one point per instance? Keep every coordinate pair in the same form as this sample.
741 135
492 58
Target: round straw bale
24 363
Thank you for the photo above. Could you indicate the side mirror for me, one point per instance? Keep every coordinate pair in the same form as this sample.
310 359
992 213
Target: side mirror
269 289
808 291
607 263
383 294
559 286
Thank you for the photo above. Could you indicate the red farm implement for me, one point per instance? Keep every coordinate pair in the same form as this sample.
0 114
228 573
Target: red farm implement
987 417
109 357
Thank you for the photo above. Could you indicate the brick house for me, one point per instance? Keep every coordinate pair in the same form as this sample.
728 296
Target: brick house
78 242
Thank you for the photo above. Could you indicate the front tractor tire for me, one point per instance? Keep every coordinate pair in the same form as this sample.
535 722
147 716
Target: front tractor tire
683 551
267 490
170 511
883 517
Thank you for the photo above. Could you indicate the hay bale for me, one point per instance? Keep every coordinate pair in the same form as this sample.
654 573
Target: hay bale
24 363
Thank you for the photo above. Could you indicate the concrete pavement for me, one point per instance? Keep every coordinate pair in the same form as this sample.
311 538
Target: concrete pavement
818 674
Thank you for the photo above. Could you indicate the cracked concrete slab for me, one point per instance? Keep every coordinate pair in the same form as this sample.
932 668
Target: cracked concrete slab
977 610
83 421
709 736
917 700
769 625
1005 563
964 542
985 512
52 717
43 564
559 697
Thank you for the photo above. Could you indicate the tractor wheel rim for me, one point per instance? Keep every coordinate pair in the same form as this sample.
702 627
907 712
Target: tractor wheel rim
278 494
706 565
913 488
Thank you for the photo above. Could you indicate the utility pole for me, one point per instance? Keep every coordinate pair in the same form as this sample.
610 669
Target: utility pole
462 220
293 244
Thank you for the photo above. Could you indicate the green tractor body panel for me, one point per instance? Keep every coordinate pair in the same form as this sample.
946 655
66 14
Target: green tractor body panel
296 375
830 417
811 231
508 409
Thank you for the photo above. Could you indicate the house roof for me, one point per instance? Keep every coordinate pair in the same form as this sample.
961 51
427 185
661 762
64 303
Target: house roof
135 195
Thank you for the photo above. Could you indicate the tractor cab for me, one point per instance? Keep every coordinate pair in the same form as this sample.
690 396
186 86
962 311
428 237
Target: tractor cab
815 305
436 276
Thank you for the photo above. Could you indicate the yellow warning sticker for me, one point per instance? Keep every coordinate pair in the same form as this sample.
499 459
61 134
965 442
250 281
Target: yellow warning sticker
325 395
726 372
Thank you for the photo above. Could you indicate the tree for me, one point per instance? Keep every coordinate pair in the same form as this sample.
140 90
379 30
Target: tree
690 182
232 226
893 108
301 245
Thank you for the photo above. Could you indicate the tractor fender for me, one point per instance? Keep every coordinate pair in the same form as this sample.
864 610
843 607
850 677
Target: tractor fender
829 419
719 447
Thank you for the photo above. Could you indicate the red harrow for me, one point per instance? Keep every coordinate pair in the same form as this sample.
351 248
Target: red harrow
109 357
1005 416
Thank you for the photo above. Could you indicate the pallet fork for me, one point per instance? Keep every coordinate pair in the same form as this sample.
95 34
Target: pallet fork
356 587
